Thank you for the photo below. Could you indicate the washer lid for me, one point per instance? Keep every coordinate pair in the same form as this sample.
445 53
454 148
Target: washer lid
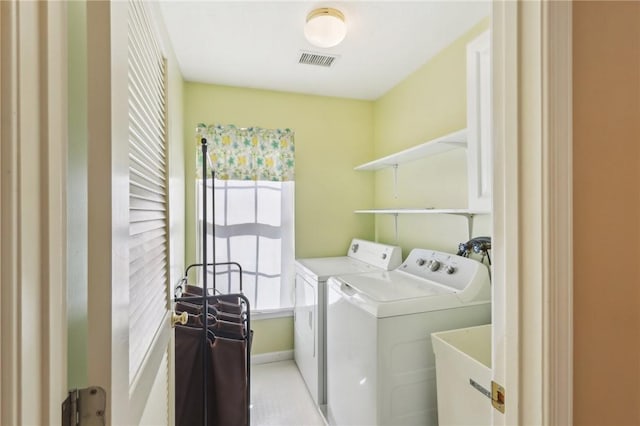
362 256
393 293
321 268
394 285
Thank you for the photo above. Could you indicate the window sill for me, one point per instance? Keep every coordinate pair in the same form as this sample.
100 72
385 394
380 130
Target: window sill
272 313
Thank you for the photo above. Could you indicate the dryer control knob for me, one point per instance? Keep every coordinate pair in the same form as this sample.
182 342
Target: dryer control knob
384 256
420 262
449 269
434 266
354 248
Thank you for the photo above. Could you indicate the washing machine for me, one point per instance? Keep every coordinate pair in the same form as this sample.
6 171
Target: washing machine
310 304
380 362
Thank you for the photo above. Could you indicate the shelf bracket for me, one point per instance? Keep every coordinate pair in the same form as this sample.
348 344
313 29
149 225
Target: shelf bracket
469 217
395 226
470 225
395 180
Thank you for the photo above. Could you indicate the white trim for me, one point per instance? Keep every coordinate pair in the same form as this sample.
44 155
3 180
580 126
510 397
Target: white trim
529 307
532 341
272 313
142 384
505 207
171 394
108 206
271 357
558 195
33 215
479 122
9 235
54 283
176 194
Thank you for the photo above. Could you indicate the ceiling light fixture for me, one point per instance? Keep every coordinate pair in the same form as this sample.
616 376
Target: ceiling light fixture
325 27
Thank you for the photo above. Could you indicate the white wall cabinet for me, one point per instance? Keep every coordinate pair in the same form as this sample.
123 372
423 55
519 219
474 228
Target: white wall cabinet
479 131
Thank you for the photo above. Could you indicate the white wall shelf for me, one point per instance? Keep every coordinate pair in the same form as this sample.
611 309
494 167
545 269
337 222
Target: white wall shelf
435 146
461 212
475 139
466 213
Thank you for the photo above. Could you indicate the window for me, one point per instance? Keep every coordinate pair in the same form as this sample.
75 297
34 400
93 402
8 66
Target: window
254 227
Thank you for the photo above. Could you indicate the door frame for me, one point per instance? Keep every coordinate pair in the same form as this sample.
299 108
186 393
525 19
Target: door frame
533 214
532 210
33 148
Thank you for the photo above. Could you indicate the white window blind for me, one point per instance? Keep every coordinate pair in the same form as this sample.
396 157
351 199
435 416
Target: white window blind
254 226
148 225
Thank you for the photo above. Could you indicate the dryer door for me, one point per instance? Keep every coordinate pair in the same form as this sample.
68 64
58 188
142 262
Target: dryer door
305 332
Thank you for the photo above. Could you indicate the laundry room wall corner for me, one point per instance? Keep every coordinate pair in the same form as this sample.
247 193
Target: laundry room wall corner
332 135
429 103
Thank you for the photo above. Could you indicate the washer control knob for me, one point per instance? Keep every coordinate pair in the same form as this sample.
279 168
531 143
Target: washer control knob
354 248
434 265
449 269
384 256
420 262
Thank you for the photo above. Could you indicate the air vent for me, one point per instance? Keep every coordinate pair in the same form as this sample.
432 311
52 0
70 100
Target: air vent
311 58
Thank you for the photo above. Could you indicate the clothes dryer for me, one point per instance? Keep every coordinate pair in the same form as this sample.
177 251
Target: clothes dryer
380 362
310 304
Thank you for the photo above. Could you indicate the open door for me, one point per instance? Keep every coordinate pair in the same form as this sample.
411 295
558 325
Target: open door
129 338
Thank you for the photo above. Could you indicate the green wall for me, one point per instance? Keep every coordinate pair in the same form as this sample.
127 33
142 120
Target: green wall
331 135
272 335
429 103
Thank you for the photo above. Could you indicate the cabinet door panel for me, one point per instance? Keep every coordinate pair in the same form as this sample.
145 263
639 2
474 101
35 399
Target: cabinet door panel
479 136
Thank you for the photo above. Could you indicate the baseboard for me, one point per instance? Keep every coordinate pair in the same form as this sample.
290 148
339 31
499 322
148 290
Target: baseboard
271 357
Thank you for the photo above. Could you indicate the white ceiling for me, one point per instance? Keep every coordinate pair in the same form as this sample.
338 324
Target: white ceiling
257 44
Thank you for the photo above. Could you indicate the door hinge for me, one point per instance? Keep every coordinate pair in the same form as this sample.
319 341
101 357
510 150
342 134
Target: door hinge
85 407
497 396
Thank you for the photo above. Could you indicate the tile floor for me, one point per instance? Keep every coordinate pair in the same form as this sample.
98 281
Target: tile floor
279 397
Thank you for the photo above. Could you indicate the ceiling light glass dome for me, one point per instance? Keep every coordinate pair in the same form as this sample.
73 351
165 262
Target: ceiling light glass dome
325 27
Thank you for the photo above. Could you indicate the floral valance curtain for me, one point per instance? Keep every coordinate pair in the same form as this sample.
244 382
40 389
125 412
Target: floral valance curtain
247 153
